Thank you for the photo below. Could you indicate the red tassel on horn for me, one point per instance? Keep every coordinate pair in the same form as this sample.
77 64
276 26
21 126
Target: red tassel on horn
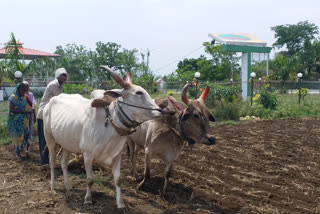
184 94
128 78
205 93
115 76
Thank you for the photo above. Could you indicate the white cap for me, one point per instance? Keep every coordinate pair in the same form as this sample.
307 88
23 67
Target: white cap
60 71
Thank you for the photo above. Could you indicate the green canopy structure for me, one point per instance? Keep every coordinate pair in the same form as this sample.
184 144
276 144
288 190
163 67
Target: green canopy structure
246 44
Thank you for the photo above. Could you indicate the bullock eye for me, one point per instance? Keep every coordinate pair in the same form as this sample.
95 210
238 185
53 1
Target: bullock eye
196 116
139 93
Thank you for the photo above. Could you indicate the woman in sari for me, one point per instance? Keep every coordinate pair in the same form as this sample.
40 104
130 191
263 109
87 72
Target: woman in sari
18 118
33 118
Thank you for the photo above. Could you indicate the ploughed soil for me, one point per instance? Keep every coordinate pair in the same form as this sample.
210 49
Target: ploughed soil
265 166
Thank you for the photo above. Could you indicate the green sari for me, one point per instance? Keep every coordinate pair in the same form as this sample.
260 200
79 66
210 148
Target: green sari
18 123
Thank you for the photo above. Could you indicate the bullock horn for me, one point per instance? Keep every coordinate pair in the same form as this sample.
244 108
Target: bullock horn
128 78
115 76
184 94
205 93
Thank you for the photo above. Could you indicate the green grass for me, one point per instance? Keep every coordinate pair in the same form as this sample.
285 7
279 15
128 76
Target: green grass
4 133
231 122
288 107
4 106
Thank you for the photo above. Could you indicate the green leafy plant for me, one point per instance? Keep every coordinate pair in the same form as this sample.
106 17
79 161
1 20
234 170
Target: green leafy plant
269 97
69 88
170 93
304 92
218 93
37 92
226 111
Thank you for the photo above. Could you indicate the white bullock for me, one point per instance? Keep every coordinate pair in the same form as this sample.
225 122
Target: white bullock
74 123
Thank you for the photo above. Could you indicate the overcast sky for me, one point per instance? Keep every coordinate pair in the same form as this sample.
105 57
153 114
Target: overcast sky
170 29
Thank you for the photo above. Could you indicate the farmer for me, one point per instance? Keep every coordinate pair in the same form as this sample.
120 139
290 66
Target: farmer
18 118
54 88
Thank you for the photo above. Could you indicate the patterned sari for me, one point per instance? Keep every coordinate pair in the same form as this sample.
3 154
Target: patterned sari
18 123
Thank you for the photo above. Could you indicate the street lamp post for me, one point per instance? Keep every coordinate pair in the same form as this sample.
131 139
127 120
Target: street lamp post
252 75
18 75
300 84
196 75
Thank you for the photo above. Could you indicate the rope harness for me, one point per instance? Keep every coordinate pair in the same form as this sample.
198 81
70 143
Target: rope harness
120 131
124 118
181 133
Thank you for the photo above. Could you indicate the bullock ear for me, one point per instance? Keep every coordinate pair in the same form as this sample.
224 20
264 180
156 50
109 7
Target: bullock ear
102 102
115 93
98 103
211 118
162 103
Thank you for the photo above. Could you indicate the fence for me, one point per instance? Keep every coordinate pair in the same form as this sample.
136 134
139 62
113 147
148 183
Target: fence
287 87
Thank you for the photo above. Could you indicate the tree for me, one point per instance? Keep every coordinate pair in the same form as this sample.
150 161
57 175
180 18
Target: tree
260 68
107 54
284 67
14 56
316 53
218 68
129 62
307 57
294 36
121 60
187 68
76 60
221 62
12 52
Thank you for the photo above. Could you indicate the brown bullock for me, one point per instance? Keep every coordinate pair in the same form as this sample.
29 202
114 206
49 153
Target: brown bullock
165 138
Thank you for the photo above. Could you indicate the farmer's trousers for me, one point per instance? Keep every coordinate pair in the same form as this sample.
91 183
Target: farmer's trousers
44 152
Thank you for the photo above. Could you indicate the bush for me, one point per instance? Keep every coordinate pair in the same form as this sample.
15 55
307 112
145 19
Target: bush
269 97
225 94
37 92
170 93
69 88
304 92
226 111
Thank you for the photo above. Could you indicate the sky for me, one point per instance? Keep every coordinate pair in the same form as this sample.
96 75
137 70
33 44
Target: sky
170 29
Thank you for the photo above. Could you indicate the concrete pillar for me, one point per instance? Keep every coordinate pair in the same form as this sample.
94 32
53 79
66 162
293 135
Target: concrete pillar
244 75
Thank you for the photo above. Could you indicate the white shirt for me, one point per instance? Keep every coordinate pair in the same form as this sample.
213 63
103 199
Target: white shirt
53 89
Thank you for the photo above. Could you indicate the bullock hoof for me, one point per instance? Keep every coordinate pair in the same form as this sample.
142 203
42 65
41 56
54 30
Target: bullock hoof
68 187
124 210
87 202
53 187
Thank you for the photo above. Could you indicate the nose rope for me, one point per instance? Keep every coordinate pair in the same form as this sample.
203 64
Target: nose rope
133 122
191 142
150 109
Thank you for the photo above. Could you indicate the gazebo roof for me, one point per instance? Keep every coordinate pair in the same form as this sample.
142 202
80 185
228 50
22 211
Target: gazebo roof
29 54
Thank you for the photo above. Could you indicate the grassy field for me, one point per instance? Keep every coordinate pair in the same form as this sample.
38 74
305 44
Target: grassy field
288 107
